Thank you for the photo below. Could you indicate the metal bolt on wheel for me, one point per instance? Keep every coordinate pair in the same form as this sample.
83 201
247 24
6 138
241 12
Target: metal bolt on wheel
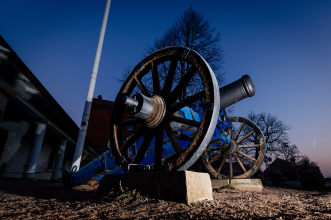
243 157
146 123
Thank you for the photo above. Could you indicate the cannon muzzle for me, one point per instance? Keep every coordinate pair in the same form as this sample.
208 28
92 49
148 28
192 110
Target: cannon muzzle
236 91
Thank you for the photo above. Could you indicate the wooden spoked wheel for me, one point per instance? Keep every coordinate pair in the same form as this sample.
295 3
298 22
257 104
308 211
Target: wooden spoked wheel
240 159
170 79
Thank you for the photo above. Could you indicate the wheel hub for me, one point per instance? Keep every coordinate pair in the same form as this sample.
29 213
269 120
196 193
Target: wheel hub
152 110
158 112
233 147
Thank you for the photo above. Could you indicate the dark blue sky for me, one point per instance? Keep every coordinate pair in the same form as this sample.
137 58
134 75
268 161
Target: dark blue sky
285 46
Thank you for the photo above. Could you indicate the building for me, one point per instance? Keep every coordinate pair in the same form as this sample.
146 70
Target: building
98 129
97 133
37 137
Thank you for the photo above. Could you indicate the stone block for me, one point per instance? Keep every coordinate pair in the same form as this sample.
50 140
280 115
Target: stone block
219 183
251 185
180 186
198 187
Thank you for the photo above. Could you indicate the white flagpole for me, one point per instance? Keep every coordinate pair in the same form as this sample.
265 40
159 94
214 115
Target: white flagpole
88 103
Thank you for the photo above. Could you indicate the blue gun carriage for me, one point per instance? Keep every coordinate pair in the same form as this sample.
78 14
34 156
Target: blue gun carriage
170 114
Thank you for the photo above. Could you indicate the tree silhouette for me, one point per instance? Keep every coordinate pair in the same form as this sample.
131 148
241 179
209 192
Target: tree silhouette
192 30
276 137
286 151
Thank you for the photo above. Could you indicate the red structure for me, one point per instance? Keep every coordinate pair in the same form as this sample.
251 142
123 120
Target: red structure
98 125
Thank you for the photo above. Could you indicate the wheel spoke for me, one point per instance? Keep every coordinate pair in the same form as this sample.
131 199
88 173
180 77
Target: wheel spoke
173 140
216 157
189 128
240 163
156 80
247 156
239 130
230 166
185 137
213 148
189 100
142 87
129 122
170 78
185 121
230 132
158 149
261 141
134 137
182 84
246 136
221 165
143 148
249 146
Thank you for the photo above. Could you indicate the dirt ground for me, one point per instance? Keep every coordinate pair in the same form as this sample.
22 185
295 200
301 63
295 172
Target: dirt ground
44 200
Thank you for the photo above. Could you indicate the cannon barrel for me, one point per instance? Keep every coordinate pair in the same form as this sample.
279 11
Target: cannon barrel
236 91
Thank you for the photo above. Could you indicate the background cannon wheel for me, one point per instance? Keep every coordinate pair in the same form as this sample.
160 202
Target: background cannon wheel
243 157
176 77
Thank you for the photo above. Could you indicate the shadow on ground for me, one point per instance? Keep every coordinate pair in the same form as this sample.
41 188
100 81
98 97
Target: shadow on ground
45 190
296 185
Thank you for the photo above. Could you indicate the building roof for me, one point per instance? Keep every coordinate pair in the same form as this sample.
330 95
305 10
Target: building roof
18 82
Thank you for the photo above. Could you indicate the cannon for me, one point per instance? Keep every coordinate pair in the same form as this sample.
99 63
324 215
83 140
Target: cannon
171 115
170 112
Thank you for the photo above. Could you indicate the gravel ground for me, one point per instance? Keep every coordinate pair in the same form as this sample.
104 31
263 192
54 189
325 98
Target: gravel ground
35 199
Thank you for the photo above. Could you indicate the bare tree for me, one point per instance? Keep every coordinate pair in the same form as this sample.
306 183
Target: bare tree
275 133
192 30
286 151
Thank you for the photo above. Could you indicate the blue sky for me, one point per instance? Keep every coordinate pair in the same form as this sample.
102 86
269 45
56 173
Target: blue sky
285 46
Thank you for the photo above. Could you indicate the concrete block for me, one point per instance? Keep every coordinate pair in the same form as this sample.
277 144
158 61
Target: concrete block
180 186
219 183
198 187
251 185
